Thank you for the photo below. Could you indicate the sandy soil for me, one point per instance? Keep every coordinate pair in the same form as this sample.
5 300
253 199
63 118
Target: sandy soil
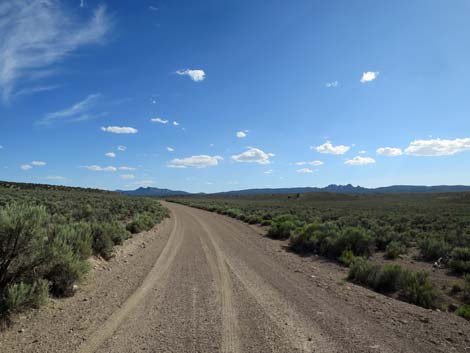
201 282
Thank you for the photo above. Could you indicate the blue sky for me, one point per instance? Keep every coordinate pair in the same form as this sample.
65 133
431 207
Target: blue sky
220 95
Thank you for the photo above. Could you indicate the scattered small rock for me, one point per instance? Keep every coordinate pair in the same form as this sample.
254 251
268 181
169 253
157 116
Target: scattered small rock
424 320
21 330
452 307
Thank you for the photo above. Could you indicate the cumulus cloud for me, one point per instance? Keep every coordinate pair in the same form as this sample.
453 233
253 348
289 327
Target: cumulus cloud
359 160
119 129
200 161
97 168
110 155
241 134
332 84
253 155
312 163
389 151
127 176
26 167
35 35
38 163
305 171
369 76
195 75
159 120
77 112
175 123
437 147
121 148
328 148
170 149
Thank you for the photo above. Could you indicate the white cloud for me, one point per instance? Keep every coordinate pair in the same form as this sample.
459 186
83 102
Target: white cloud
55 177
82 3
241 134
437 147
127 176
77 112
26 167
175 123
359 160
332 84
159 120
110 155
305 171
170 149
121 148
126 168
200 161
35 35
369 76
253 155
328 148
195 75
389 151
362 152
270 171
38 163
313 163
97 168
119 129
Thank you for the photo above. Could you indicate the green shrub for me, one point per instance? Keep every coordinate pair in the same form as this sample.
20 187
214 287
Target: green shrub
364 272
102 242
464 311
79 237
347 258
432 249
466 288
417 289
282 227
356 239
389 278
460 260
394 249
314 237
21 296
141 222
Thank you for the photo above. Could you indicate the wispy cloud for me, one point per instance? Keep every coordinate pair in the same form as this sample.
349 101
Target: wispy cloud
35 35
313 163
201 161
332 84
305 171
126 168
26 167
170 149
159 120
77 112
127 176
359 160
34 90
389 151
55 177
195 75
119 129
97 168
110 155
121 148
38 163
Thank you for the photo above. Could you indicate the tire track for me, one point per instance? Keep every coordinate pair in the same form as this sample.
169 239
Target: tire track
218 267
161 266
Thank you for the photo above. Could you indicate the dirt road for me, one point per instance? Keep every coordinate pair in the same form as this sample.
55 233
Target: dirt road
207 283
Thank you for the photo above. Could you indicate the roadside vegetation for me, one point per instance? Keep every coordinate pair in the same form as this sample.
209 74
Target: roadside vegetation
351 229
48 233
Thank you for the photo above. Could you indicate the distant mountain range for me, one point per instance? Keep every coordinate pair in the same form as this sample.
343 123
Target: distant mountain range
340 189
149 191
